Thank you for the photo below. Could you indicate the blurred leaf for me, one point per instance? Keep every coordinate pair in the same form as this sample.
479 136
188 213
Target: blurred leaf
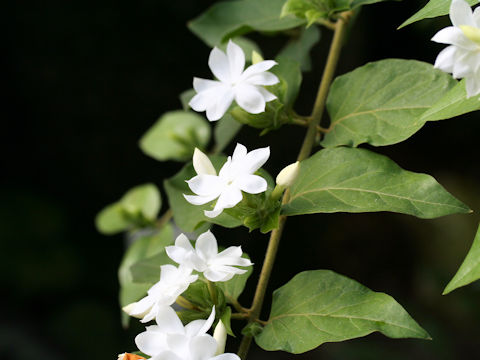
290 76
453 103
189 217
357 180
198 294
137 207
147 270
298 49
175 135
234 287
433 9
469 270
380 103
227 19
225 131
321 306
143 247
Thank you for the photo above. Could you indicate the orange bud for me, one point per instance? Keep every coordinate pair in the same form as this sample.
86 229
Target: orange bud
128 356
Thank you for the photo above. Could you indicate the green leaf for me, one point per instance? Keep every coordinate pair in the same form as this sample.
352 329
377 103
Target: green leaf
225 131
138 207
453 103
226 317
234 287
143 247
189 217
380 103
290 76
357 180
298 49
433 9
232 18
147 270
321 306
469 270
175 135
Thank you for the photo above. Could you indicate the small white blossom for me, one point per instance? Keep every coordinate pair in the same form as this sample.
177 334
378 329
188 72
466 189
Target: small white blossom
169 339
462 57
206 259
245 87
173 282
235 176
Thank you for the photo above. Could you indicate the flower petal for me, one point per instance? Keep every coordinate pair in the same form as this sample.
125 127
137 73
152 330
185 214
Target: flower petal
267 95
226 356
199 200
230 197
236 59
446 59
473 86
454 36
255 160
265 79
169 355
476 17
182 248
206 245
202 164
249 98
151 342
461 13
200 84
257 68
239 152
218 63
205 185
252 184
224 99
203 347
212 213
168 322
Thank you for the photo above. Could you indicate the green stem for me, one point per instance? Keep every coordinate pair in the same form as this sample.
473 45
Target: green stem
213 292
305 151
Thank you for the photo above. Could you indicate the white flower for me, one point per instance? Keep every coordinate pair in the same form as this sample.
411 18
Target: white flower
288 175
170 340
173 282
235 176
206 259
245 87
462 57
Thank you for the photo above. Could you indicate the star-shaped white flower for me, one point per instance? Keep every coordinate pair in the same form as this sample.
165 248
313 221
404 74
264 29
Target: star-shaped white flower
235 176
170 340
173 282
245 87
206 259
462 57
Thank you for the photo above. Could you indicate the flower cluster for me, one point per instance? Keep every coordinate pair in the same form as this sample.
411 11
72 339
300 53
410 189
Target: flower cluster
462 57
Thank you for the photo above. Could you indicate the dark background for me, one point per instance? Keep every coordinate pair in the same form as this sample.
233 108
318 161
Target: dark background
84 80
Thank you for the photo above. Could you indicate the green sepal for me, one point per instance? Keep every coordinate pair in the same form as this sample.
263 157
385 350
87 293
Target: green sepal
226 320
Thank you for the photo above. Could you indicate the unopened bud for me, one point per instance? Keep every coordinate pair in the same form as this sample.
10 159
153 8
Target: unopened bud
128 356
471 33
256 57
202 164
220 335
288 175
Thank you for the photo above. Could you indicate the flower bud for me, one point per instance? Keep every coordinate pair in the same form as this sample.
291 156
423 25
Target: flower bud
128 356
471 33
202 164
220 335
256 57
288 175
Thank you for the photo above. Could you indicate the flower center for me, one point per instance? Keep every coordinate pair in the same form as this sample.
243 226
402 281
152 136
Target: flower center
472 33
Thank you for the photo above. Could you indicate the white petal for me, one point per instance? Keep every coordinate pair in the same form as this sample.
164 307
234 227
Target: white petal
217 275
207 98
150 342
229 198
199 200
461 13
265 78
464 65
446 59
206 245
183 242
258 68
225 171
181 250
255 160
232 256
218 63
142 306
202 164
205 185
200 84
454 36
252 184
168 273
203 347
169 355
249 98
213 213
208 324
236 59
179 344
168 322
239 152
224 99
226 356
476 17
200 327
267 95
473 86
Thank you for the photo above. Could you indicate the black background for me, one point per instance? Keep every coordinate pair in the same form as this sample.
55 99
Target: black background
84 80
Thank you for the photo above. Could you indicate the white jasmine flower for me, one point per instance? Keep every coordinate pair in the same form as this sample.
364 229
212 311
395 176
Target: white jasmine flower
206 259
235 176
462 57
245 87
173 282
169 339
